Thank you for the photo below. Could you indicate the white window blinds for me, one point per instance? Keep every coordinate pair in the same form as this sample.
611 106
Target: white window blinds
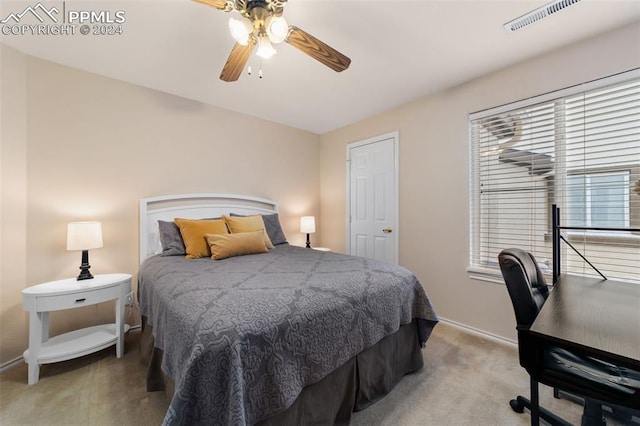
579 149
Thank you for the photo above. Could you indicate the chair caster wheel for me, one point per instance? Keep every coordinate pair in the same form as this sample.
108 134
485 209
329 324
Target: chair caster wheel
516 406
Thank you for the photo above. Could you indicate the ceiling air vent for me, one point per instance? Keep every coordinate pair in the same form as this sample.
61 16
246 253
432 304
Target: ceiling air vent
538 14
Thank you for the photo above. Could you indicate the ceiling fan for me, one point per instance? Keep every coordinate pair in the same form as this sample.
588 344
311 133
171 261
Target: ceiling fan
262 24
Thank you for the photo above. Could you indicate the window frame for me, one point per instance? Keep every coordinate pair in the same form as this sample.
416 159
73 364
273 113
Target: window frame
483 269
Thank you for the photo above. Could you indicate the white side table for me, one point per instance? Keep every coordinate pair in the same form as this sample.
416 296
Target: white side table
321 248
40 299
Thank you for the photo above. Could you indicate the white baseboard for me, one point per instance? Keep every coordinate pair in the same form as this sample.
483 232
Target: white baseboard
10 364
481 333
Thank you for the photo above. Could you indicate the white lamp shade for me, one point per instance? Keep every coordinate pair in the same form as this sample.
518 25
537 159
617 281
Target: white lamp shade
308 224
241 30
277 29
84 235
265 49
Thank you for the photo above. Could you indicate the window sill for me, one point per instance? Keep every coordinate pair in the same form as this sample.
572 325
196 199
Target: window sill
482 274
493 276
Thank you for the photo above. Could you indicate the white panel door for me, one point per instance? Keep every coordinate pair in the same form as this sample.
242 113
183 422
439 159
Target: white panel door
373 199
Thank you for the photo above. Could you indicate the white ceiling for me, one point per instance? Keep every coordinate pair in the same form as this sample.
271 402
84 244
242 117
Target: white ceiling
400 51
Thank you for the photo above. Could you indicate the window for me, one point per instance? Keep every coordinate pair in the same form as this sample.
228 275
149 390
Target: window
578 148
598 200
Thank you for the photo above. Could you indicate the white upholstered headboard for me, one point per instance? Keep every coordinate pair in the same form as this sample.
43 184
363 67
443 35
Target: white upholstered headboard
192 206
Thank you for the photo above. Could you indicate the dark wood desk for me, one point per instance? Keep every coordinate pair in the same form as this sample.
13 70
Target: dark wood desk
593 316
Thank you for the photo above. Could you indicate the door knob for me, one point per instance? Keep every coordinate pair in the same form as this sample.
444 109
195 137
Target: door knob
387 230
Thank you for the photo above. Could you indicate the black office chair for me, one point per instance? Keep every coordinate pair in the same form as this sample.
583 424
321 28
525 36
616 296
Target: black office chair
528 291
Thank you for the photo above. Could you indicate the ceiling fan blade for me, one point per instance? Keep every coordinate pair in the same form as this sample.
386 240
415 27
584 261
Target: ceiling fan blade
318 50
218 4
237 60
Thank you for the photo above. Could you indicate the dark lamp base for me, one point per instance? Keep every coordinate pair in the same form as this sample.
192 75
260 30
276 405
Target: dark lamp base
84 267
85 274
308 242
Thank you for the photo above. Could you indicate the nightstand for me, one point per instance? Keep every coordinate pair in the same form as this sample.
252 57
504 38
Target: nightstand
41 299
321 248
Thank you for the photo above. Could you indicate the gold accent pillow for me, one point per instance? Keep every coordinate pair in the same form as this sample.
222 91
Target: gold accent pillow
229 245
193 234
238 224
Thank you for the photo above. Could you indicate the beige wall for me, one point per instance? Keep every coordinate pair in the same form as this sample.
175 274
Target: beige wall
13 200
78 146
434 194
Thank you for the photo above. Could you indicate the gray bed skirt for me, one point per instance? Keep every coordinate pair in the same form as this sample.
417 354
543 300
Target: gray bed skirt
354 386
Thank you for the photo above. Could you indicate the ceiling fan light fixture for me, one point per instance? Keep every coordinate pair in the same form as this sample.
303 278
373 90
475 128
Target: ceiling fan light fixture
241 30
277 29
260 24
265 49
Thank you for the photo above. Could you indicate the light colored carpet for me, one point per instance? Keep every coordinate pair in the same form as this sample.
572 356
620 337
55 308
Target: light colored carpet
467 380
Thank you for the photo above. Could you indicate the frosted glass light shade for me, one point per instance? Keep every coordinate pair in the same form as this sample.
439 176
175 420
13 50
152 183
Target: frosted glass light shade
84 235
265 49
241 30
308 224
277 29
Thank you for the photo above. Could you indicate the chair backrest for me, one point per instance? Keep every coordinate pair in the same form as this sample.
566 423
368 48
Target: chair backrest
525 283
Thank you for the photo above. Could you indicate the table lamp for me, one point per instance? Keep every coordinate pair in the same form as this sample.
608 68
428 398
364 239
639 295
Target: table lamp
84 236
308 226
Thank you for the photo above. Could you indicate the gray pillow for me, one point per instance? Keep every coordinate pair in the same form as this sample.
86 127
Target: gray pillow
171 239
272 225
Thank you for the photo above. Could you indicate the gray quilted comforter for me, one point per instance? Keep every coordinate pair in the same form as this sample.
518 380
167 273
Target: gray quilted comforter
242 336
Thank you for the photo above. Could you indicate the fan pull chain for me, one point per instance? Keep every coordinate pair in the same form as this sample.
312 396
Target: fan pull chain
249 72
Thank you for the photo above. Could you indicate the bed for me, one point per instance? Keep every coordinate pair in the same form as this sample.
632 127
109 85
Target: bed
289 336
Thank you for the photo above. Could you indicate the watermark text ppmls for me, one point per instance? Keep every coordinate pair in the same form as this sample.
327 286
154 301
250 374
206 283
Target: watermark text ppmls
62 18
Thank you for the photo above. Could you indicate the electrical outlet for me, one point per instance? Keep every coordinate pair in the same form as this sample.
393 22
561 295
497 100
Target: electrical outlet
129 299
